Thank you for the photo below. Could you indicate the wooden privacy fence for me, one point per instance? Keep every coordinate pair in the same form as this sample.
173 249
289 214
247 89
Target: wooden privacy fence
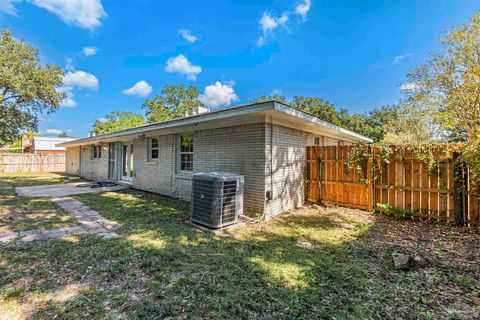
26 162
403 182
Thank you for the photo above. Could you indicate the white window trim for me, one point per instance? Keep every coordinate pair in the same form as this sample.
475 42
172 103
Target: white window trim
179 157
150 148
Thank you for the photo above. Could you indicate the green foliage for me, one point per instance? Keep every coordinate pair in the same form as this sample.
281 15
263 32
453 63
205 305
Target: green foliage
16 144
448 87
317 107
278 98
373 124
379 154
174 101
254 271
63 135
394 212
117 120
27 88
413 124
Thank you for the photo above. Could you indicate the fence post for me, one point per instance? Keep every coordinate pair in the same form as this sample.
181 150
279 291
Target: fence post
370 192
459 187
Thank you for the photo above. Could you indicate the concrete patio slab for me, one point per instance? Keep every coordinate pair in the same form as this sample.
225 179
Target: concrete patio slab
61 190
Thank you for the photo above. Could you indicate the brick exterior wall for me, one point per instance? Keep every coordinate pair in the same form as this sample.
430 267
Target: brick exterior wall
238 149
243 149
284 168
94 169
154 176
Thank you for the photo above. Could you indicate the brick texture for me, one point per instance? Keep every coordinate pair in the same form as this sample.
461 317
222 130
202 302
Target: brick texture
243 149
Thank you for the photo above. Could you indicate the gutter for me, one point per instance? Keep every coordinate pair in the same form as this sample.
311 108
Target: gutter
216 115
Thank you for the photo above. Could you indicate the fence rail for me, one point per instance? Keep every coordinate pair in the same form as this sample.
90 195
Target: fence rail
403 182
17 163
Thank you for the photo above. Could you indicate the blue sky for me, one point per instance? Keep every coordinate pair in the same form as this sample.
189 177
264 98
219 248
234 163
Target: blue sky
355 53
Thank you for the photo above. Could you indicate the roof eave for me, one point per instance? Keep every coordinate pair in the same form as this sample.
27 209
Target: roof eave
231 112
303 115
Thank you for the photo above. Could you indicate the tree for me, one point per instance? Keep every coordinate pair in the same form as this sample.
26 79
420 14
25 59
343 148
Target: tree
317 107
27 88
449 87
174 101
277 98
63 135
410 125
371 124
449 84
117 120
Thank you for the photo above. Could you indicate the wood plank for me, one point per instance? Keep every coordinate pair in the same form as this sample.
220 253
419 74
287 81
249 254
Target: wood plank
408 184
443 183
424 195
391 182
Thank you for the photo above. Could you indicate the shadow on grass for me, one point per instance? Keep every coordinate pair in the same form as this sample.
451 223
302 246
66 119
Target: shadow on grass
21 213
33 179
161 268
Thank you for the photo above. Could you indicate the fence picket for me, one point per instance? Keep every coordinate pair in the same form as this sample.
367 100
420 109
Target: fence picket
26 162
404 183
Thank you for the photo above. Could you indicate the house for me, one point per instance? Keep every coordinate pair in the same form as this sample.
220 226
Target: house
44 145
264 142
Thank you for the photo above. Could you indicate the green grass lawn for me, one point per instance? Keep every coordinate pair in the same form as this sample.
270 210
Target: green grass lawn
20 213
32 179
160 267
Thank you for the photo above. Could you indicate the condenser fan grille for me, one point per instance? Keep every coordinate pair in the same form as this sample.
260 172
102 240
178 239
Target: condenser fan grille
217 198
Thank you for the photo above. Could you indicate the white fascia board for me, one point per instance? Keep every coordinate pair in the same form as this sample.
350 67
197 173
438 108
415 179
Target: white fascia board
215 115
302 115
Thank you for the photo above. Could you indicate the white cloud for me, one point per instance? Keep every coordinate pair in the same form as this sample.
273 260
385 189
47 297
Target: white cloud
410 87
218 94
80 79
400 58
181 65
69 64
69 101
187 35
303 8
102 119
53 131
268 24
6 6
89 51
81 13
73 79
141 88
276 92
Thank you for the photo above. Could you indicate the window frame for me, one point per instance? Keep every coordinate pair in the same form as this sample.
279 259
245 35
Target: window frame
96 152
151 148
180 153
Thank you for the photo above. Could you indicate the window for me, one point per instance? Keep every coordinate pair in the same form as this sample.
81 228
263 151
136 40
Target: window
317 141
153 149
96 152
185 153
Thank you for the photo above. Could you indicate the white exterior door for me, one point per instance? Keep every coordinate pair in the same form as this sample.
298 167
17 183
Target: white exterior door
127 161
